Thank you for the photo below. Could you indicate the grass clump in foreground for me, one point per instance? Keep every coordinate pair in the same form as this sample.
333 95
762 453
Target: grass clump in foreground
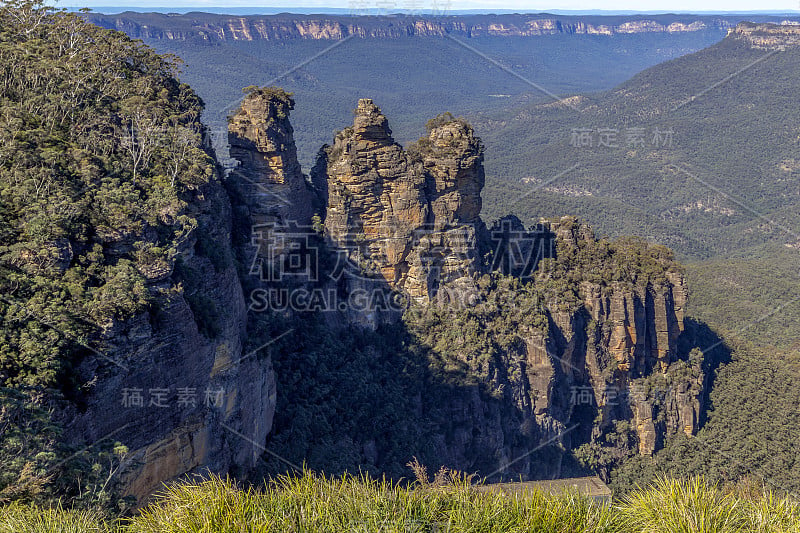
310 503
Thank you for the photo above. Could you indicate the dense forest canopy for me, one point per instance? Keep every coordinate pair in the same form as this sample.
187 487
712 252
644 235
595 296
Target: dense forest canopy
100 146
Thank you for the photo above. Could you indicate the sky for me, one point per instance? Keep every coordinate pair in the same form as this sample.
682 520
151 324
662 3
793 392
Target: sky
669 6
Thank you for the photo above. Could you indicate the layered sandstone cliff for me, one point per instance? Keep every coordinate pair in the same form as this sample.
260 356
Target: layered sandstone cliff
175 385
605 351
209 28
769 36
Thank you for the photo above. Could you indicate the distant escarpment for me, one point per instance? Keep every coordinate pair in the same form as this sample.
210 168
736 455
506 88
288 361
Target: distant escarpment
769 36
206 27
540 338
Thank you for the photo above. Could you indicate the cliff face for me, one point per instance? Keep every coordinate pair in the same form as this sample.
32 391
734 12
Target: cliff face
182 395
126 318
206 27
769 36
608 355
635 335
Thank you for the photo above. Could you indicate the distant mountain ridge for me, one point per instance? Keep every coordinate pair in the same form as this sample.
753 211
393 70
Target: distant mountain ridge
210 27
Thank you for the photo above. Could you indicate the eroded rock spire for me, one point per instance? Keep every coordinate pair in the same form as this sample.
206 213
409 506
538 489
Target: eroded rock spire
268 179
409 216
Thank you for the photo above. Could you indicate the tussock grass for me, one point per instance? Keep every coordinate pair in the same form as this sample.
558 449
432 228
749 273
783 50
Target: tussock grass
692 506
314 504
27 519
683 507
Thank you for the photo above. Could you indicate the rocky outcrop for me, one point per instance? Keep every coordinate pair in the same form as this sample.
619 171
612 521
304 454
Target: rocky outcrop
769 36
210 28
446 257
610 355
453 160
635 335
409 218
268 182
621 337
376 196
562 359
273 202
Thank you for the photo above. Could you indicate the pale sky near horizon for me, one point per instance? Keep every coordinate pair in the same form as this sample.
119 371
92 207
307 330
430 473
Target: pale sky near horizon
667 6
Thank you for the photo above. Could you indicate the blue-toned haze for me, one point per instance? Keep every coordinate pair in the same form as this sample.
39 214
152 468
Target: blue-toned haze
666 6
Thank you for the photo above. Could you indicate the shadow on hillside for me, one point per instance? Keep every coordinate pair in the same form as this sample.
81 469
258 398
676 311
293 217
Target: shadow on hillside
371 398
698 334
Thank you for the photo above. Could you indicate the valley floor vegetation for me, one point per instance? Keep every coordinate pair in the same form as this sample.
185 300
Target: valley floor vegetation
449 503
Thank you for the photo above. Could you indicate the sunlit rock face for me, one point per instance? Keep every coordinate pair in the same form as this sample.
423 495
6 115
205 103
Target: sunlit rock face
411 217
268 181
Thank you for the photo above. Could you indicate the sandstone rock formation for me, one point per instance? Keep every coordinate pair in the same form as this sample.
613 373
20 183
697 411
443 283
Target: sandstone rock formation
268 183
174 388
453 159
635 336
272 200
411 218
376 195
632 334
611 356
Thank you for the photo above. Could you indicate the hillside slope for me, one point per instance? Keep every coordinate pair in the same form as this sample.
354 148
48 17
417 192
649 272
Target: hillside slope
723 192
703 153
